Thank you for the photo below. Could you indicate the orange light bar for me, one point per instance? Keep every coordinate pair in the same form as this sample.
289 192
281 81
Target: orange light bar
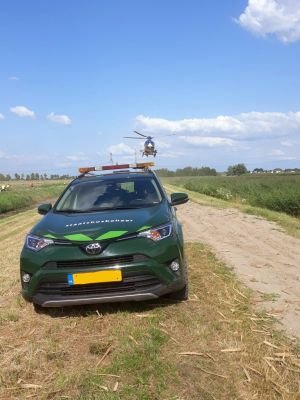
85 170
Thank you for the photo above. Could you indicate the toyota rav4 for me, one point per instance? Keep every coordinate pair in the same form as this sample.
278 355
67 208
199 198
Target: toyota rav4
109 237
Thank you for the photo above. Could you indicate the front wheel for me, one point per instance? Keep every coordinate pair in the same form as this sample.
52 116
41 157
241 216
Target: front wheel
38 309
180 295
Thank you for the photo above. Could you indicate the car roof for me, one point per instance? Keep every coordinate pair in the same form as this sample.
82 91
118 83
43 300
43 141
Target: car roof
113 176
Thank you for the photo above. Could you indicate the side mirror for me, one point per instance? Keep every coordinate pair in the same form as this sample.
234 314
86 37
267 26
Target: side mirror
179 198
44 208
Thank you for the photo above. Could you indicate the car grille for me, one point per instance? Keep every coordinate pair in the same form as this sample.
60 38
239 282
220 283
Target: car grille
132 282
107 261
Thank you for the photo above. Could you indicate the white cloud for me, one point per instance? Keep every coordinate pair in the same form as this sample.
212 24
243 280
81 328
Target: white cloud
252 125
5 156
207 141
121 149
277 152
279 155
13 78
60 119
277 17
222 123
1 116
161 144
22 111
77 157
171 154
287 143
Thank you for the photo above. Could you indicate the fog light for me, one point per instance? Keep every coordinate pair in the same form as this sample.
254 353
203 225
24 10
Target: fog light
26 277
175 266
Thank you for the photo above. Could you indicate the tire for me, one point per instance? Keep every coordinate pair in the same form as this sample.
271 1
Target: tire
38 309
180 295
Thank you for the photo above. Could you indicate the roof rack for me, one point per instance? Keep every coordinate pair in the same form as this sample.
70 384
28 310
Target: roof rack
145 166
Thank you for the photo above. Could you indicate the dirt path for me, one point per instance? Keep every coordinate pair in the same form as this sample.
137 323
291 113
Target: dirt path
264 257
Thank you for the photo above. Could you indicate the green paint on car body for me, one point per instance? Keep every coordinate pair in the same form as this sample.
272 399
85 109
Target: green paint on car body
111 235
49 236
144 228
78 237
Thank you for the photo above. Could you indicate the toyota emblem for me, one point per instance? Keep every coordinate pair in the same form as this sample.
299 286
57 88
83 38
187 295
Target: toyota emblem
93 248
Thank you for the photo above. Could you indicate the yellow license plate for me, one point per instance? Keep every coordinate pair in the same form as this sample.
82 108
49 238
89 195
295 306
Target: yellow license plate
114 275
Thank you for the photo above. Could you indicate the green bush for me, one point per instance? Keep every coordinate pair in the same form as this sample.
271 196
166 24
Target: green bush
275 192
23 197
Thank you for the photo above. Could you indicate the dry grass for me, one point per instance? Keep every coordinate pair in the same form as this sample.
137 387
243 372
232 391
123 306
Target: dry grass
242 355
214 346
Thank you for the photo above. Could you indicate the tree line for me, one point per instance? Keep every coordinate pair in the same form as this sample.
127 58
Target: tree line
34 176
237 169
232 170
186 171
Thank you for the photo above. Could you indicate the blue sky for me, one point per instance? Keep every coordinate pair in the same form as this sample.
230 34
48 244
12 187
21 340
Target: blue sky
75 77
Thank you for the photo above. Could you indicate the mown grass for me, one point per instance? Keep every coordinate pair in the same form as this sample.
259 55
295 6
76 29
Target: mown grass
27 194
214 346
274 192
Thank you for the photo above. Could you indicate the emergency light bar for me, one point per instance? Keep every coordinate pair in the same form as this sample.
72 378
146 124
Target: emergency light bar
85 170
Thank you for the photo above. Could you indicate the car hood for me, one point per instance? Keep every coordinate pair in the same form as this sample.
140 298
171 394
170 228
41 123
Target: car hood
101 225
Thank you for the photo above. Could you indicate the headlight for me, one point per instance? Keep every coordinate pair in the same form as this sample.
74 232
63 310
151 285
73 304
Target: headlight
158 233
37 243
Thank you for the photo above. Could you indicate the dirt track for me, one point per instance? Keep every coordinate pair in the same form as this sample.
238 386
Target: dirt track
264 257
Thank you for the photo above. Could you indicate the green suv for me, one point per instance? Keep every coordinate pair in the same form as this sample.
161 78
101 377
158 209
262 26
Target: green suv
110 237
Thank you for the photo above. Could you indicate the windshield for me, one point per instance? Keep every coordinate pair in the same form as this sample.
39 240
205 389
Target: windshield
103 194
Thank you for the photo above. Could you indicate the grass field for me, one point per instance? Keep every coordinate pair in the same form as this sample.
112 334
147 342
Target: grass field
214 346
274 192
23 194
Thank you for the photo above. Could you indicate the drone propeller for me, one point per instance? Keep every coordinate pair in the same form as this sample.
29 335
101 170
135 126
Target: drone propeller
141 134
133 137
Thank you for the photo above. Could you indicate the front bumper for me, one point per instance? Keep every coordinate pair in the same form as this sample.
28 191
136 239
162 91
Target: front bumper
145 267
48 302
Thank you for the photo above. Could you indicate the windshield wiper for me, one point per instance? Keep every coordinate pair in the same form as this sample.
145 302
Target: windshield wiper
70 211
111 208
77 211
